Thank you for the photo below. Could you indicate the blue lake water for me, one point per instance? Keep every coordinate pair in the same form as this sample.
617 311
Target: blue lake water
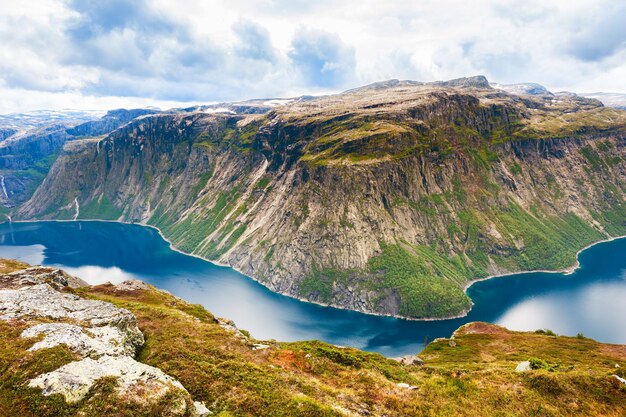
591 301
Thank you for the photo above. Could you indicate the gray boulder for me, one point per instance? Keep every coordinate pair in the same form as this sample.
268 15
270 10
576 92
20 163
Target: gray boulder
523 367
410 360
74 380
93 342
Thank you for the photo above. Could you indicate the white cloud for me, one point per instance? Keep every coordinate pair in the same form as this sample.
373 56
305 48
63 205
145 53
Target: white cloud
68 53
16 100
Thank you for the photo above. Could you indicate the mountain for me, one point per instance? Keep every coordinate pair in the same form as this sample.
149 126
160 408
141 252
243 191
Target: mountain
40 118
388 199
617 100
109 122
25 158
130 349
255 106
532 89
30 143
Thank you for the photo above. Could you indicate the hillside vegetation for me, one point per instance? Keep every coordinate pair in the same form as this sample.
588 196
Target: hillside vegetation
387 199
234 375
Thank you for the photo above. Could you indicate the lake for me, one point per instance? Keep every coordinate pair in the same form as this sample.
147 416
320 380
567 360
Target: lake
590 301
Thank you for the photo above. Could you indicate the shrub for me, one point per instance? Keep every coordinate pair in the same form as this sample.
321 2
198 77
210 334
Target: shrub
547 332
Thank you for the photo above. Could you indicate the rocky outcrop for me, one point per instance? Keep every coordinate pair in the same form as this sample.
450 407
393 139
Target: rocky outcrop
104 336
93 341
523 366
57 278
410 360
42 301
388 199
74 380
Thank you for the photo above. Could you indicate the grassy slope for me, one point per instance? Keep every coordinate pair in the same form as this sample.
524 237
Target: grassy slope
475 377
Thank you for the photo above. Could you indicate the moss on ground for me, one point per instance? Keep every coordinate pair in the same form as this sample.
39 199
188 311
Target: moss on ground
100 208
472 376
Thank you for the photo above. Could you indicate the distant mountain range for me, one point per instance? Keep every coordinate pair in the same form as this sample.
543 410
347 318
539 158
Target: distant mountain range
39 118
30 142
617 100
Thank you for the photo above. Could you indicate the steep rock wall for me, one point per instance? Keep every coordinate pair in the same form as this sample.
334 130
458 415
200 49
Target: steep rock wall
378 210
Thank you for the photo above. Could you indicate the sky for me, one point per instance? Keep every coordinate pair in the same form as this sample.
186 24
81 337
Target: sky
101 54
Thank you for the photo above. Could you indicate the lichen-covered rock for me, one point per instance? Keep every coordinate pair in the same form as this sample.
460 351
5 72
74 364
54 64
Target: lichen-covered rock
74 380
200 410
131 285
523 367
260 346
93 342
231 327
105 336
36 275
44 301
410 360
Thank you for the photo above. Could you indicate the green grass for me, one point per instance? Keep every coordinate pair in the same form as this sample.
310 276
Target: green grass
202 182
318 284
189 233
100 208
473 376
592 156
262 183
426 282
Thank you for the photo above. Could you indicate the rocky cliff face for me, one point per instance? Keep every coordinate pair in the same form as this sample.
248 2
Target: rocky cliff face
109 122
387 199
31 143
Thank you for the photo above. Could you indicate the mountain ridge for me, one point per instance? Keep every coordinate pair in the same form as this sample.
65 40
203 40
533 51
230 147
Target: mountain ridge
386 200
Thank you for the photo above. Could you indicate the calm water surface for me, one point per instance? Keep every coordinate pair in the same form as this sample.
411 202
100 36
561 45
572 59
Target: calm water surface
591 301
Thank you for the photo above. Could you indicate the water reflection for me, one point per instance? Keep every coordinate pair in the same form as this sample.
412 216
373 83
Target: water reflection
587 301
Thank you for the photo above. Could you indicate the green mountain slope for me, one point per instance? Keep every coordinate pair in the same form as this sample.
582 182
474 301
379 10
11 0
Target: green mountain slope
387 199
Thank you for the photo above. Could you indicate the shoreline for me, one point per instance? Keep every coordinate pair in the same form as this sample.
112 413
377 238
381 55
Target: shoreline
565 271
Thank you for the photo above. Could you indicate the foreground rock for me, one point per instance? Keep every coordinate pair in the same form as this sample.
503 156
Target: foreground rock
104 336
74 380
57 278
410 360
95 341
43 301
523 367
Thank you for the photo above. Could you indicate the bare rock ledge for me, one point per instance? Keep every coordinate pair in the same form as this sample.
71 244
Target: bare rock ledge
104 336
